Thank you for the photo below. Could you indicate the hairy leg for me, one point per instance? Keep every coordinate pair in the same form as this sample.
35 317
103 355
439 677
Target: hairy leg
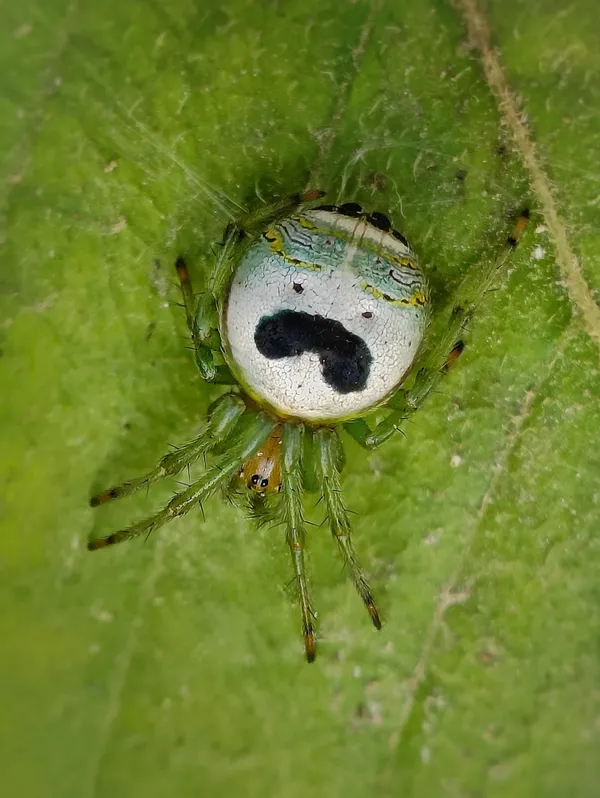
248 227
201 317
223 418
327 466
443 349
291 508
201 311
250 433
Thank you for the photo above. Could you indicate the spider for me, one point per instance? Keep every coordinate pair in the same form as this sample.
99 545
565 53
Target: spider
318 318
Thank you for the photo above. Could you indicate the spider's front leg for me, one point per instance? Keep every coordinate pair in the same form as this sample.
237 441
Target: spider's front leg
291 508
223 417
249 432
327 454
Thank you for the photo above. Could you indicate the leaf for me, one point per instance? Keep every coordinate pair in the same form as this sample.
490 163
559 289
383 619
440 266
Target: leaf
132 132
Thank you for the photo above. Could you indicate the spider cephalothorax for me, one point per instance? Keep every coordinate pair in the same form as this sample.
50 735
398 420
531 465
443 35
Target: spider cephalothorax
317 317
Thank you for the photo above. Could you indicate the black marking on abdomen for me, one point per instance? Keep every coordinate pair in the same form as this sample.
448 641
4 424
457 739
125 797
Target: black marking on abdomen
380 221
345 357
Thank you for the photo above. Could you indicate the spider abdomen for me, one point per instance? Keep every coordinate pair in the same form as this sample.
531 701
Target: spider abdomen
325 314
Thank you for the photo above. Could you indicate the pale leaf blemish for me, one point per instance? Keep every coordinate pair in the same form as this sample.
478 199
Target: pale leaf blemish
101 615
22 31
433 538
118 226
450 595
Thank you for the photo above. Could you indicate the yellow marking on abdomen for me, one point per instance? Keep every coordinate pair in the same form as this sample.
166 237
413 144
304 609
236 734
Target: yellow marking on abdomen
416 300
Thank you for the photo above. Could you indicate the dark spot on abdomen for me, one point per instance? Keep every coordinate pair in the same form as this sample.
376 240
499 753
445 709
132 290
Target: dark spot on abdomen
345 357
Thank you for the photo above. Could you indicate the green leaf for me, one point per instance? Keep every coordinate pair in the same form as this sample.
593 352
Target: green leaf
131 132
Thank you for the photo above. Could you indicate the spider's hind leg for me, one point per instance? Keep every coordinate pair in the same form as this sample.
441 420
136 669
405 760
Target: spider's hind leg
246 229
443 348
202 311
202 322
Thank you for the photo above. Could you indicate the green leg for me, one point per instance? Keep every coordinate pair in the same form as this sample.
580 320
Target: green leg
291 507
219 281
359 430
223 418
364 435
384 430
202 312
445 343
201 317
311 475
223 376
327 444
249 226
250 434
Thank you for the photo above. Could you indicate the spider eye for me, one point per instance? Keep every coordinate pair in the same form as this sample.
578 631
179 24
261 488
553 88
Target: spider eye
255 479
264 483
337 347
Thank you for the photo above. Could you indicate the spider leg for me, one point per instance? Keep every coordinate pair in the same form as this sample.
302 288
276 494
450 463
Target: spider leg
224 377
359 430
291 507
247 440
201 317
201 311
234 234
328 444
371 439
443 349
223 418
247 228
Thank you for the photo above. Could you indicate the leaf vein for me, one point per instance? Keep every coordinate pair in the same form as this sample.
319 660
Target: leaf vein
327 139
450 595
574 281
